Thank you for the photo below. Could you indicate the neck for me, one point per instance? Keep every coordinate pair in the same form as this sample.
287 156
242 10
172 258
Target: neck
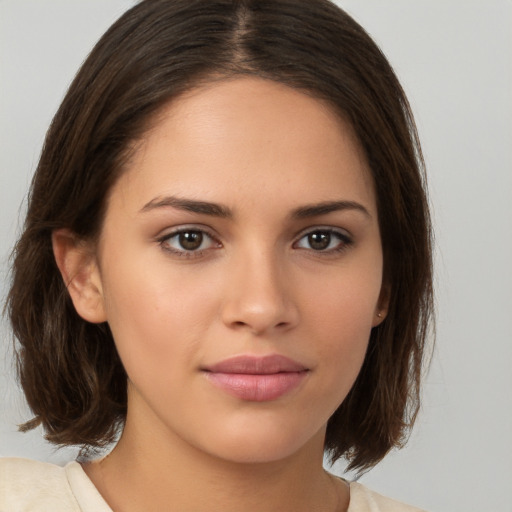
140 475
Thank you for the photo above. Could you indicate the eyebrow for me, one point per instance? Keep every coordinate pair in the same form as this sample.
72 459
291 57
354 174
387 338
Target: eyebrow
218 210
315 210
189 205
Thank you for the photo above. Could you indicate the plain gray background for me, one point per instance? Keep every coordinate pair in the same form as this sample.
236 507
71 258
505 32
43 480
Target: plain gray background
454 60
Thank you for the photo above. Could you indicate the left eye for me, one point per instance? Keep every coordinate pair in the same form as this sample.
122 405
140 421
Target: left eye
188 240
323 240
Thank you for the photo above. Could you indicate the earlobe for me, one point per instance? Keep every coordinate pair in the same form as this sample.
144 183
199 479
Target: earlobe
78 267
381 311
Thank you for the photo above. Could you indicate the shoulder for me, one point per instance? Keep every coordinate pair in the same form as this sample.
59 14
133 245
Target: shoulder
31 486
363 499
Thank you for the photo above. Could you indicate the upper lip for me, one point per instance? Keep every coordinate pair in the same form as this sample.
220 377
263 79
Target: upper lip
256 365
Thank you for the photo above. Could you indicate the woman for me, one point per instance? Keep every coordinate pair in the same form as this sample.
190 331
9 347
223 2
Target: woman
226 262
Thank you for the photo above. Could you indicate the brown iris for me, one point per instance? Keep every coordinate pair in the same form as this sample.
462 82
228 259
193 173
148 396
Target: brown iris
319 240
190 240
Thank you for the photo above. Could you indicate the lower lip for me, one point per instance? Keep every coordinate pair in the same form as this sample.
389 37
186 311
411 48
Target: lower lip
257 388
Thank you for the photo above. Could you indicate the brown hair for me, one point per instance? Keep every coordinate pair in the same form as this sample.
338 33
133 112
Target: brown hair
72 376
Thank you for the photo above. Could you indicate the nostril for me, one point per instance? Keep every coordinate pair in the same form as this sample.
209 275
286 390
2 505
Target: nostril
240 324
259 310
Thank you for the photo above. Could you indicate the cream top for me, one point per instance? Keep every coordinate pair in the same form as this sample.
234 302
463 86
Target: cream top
33 486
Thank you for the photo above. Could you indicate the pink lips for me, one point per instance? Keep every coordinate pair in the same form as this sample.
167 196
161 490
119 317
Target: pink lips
256 379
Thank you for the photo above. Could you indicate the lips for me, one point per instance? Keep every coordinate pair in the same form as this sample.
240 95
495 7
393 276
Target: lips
256 379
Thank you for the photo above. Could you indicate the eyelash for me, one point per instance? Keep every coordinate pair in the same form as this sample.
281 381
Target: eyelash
184 253
344 241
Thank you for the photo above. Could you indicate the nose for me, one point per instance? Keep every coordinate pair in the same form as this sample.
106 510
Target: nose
259 296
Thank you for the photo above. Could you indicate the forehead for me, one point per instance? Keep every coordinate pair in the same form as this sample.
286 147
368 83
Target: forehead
246 138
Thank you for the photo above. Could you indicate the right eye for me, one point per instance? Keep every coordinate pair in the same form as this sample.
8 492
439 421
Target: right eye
188 242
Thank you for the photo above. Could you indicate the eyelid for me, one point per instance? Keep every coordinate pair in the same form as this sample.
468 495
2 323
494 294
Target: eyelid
346 239
321 227
180 228
173 232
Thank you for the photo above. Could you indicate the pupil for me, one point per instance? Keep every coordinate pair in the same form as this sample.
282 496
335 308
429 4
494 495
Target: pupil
319 240
191 240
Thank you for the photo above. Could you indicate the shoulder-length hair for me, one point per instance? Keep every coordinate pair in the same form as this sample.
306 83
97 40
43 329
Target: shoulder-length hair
70 371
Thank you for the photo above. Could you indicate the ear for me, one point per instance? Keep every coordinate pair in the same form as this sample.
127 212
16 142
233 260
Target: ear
78 266
381 311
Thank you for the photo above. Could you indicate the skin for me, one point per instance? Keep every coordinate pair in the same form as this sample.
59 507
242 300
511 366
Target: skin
264 153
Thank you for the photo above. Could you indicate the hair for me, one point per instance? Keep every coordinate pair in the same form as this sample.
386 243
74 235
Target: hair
70 371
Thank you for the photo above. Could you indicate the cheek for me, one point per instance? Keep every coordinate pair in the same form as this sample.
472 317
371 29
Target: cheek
348 300
157 319
345 340
343 321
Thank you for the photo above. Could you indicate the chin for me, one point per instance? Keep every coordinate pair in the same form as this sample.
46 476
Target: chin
265 444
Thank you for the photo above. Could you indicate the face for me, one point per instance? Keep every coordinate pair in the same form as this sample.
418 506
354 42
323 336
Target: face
240 270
